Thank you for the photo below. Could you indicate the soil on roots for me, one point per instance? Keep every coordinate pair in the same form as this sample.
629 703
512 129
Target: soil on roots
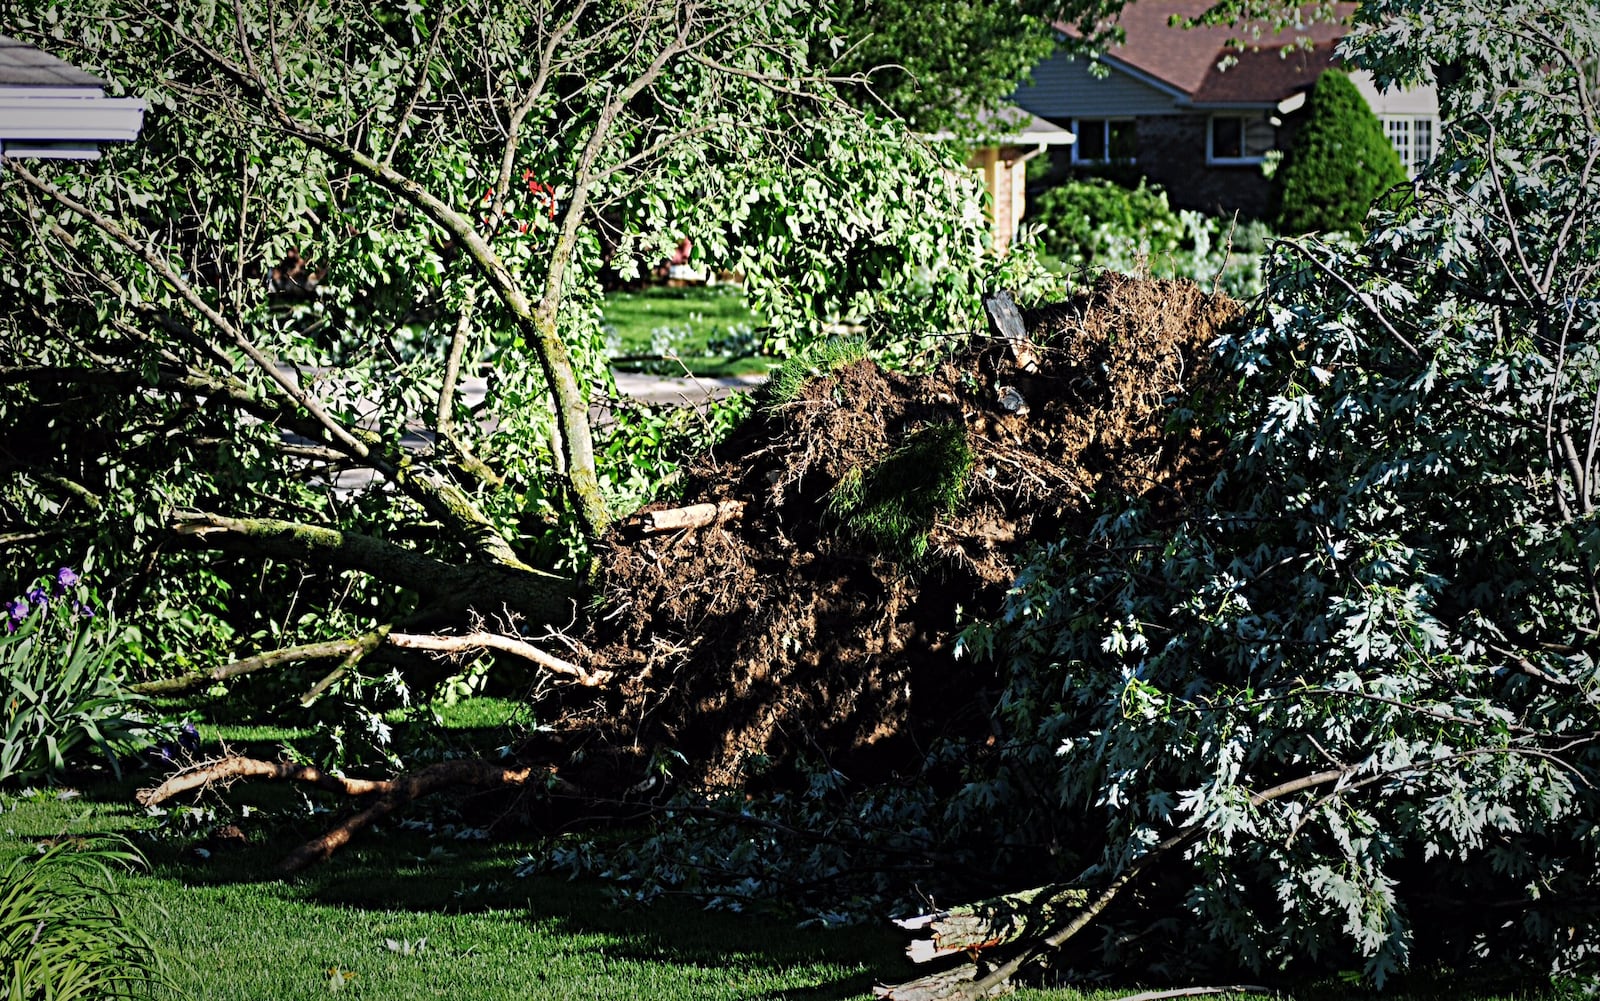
780 634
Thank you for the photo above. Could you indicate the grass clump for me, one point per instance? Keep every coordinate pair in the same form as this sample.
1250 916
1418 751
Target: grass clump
894 504
63 934
814 361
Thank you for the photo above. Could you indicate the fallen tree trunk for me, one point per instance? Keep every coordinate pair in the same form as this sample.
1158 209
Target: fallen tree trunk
968 981
392 793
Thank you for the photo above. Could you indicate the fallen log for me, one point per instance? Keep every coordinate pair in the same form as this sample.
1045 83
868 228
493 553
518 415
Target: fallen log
959 982
985 924
968 980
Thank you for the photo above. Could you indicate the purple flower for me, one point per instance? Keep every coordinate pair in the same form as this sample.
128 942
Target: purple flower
39 597
18 610
83 610
65 578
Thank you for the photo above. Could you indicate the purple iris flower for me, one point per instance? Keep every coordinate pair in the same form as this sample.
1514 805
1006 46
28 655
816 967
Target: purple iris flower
65 578
18 610
39 597
81 609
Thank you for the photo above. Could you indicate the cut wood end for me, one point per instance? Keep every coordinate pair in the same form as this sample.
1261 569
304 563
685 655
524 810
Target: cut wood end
692 516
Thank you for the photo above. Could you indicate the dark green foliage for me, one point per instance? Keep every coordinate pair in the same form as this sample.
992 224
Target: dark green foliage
942 66
1339 164
1360 671
893 505
1077 219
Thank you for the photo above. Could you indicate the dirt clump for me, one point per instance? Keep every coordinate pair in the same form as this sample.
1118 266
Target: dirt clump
879 512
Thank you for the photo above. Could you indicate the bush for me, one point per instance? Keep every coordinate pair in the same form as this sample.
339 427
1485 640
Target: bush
1339 164
60 662
1078 220
1093 222
62 936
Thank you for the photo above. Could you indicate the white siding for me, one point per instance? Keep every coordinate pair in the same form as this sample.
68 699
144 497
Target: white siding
1064 88
1420 101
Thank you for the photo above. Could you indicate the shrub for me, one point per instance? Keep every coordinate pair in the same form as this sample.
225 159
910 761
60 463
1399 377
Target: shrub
60 663
1339 164
62 935
1078 219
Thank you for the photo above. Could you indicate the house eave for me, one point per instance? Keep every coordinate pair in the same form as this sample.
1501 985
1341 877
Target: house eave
64 127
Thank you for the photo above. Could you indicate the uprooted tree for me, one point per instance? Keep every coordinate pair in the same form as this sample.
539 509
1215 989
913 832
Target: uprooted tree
337 212
1309 680
1345 712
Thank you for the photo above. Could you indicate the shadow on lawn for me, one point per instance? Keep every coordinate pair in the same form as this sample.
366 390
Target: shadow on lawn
406 871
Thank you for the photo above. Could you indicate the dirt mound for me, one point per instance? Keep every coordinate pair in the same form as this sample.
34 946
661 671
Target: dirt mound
871 512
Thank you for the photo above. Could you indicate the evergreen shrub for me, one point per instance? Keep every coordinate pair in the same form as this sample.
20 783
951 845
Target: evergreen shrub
1339 164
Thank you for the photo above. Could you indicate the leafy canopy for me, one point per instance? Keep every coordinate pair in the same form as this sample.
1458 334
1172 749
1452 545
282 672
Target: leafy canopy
1361 671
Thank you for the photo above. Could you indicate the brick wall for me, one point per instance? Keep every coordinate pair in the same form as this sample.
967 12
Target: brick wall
1172 153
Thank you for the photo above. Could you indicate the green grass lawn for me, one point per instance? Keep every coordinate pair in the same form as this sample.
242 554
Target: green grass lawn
708 328
404 913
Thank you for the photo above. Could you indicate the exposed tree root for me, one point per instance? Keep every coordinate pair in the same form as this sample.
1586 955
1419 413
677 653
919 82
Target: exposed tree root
392 793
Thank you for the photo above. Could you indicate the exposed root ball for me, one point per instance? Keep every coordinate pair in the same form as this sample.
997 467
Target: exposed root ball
878 511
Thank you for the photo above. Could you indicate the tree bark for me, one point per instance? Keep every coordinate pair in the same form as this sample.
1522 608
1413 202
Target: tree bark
543 597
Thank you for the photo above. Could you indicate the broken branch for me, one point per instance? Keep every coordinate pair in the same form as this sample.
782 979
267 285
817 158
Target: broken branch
360 646
393 793
692 516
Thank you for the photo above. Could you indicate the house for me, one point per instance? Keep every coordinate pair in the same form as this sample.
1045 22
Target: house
1016 138
51 110
1197 116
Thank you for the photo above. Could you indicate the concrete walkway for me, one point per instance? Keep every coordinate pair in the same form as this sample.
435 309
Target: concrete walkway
675 389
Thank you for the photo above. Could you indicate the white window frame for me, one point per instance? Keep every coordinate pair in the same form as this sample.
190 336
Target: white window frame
1401 131
1105 137
1211 133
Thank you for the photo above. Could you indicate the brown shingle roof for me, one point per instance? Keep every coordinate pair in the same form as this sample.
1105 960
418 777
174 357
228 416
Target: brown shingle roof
1186 59
25 66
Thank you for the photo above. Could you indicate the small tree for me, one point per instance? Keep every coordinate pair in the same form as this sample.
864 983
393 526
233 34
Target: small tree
1339 163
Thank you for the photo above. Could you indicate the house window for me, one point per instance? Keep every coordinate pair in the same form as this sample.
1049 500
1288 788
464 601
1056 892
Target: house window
1101 140
1412 138
1240 139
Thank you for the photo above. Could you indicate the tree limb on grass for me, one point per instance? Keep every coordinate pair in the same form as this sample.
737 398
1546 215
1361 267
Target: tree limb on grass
1190 992
231 769
392 793
965 983
358 647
